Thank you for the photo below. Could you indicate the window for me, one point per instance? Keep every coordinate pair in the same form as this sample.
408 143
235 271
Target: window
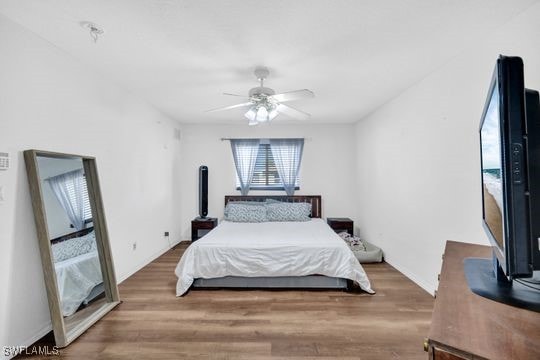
265 175
71 193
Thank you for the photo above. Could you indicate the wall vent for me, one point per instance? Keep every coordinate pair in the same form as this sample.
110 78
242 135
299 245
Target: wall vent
4 161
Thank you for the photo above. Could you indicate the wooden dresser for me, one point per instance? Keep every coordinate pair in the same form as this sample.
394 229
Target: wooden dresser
468 326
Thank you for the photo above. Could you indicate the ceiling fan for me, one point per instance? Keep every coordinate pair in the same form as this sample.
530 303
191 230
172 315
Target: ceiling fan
264 104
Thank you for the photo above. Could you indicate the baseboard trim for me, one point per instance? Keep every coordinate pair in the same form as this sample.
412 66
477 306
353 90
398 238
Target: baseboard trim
426 285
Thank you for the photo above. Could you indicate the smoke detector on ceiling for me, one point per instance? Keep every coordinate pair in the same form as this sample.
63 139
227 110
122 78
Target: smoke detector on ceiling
94 29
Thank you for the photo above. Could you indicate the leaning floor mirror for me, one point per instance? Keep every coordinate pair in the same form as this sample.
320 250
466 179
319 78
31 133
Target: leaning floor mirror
73 241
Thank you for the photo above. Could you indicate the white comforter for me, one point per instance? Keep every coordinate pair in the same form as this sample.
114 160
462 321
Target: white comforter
269 249
76 279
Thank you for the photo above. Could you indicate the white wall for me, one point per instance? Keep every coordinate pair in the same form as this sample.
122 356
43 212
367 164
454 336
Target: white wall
50 101
326 167
418 155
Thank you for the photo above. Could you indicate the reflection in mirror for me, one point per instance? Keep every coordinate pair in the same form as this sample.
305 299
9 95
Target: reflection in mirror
71 231
73 240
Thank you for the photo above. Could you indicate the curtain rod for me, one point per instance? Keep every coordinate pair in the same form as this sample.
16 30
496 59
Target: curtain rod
227 139
67 172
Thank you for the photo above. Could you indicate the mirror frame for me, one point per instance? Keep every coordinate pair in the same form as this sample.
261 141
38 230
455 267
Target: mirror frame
65 331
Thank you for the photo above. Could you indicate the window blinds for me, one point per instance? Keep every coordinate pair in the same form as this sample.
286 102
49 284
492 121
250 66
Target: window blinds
265 175
86 201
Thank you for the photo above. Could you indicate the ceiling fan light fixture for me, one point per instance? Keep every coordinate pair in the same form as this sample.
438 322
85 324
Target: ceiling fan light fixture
262 114
251 114
272 114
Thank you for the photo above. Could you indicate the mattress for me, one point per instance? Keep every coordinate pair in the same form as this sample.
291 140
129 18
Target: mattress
269 249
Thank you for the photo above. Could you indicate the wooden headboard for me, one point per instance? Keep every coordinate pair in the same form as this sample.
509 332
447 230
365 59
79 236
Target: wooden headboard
314 200
72 235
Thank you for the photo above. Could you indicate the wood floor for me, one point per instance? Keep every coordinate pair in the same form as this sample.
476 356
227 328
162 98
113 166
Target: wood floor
152 323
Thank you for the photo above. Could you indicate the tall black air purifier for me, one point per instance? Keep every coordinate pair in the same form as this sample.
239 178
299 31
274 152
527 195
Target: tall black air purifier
203 191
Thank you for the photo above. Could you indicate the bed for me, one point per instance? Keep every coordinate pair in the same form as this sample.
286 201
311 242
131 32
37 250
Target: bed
79 281
78 270
305 254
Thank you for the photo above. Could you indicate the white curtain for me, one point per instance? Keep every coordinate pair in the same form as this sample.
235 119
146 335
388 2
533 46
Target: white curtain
287 155
69 189
245 153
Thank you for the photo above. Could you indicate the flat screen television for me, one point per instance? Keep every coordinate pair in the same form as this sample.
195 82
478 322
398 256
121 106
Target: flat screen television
510 161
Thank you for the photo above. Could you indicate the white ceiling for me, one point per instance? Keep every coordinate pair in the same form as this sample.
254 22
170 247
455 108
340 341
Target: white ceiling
182 55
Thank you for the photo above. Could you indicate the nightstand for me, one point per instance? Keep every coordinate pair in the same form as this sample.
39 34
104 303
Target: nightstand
341 224
201 227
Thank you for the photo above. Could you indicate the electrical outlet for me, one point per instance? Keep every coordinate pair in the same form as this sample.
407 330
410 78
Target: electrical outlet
134 246
166 233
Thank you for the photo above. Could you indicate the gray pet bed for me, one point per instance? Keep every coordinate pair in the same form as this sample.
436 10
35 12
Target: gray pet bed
372 253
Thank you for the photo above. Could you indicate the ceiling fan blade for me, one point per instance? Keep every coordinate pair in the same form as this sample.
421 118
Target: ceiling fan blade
243 96
231 107
293 95
292 112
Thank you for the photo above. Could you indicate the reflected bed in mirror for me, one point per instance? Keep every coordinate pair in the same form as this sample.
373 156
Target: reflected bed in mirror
74 244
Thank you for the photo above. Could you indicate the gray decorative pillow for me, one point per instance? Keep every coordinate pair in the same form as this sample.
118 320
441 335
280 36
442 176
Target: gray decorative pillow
245 212
288 211
71 248
242 202
247 202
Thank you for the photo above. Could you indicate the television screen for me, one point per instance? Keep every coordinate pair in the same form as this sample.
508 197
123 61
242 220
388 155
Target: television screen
505 178
492 169
509 148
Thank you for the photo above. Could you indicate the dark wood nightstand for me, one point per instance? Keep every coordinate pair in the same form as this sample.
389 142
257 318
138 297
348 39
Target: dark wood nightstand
200 227
341 224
